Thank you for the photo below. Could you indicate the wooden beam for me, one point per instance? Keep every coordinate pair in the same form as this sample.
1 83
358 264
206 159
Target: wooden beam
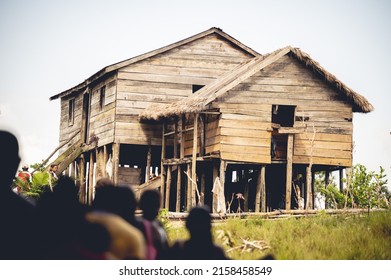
168 187
194 161
288 187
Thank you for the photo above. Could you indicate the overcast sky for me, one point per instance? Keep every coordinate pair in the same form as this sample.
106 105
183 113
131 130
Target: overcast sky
50 46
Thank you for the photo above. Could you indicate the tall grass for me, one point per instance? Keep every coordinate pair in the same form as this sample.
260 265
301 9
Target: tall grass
321 237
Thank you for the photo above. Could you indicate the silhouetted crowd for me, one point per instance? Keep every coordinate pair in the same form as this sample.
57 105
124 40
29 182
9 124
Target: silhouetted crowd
59 227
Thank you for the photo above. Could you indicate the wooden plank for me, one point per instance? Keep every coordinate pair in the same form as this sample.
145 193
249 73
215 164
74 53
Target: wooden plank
165 78
322 160
347 138
212 149
250 133
305 144
323 153
244 124
244 141
245 157
245 149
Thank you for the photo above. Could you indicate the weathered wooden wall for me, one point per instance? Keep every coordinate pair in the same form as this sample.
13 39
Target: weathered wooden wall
246 116
166 78
102 122
66 129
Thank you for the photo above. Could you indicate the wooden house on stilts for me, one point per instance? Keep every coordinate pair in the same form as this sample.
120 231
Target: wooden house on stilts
100 132
221 124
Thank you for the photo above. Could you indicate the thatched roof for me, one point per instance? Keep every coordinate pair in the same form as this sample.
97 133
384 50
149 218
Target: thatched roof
106 71
209 93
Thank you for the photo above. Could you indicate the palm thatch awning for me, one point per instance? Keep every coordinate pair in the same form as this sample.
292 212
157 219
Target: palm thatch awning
205 96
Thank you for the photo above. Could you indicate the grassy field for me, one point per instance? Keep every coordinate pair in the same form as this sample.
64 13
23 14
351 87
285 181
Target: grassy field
320 237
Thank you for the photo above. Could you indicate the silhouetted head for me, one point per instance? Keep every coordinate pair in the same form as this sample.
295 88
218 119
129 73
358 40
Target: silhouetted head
150 204
103 182
199 221
118 200
9 159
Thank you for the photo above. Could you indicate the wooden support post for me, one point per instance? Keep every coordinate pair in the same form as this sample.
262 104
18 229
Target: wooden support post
260 196
176 138
168 187
194 161
341 179
162 169
116 147
178 189
202 134
90 178
105 159
289 157
188 189
100 164
222 173
348 172
327 178
202 187
148 165
309 182
263 188
245 194
82 182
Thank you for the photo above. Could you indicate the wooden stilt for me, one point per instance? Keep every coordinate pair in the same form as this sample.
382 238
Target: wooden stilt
90 178
188 189
263 188
289 156
222 173
116 148
309 198
82 182
178 189
168 187
148 165
105 159
194 161
162 169
341 179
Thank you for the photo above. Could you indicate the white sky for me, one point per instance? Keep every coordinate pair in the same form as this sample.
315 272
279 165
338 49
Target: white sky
50 46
